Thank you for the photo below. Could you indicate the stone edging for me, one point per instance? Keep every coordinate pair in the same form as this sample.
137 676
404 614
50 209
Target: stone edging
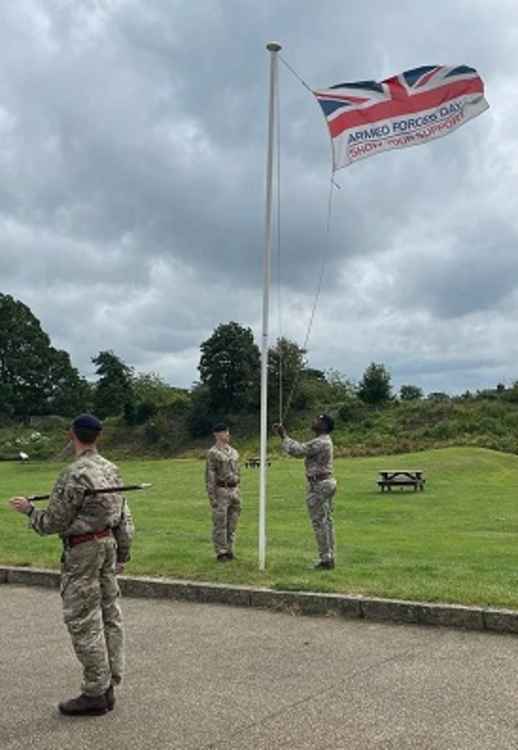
296 602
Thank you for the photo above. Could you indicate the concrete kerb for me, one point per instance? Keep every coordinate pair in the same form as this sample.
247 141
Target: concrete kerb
501 620
32 577
294 602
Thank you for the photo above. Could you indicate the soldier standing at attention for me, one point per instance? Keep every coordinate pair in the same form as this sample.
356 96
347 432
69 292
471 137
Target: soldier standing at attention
97 531
222 478
321 486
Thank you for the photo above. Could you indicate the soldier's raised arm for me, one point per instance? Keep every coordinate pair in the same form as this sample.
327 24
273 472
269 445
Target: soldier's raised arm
300 450
293 447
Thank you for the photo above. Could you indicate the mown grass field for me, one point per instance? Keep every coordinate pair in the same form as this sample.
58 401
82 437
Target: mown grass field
455 542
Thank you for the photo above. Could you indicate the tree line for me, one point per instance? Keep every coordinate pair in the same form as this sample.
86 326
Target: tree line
36 380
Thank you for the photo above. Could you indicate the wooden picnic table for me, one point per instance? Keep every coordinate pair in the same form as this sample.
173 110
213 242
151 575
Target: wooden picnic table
255 462
401 478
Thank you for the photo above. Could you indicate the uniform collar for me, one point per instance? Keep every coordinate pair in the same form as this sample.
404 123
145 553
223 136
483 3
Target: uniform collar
87 451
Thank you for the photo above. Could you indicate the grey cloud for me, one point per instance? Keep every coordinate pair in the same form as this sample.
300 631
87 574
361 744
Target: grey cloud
132 181
473 269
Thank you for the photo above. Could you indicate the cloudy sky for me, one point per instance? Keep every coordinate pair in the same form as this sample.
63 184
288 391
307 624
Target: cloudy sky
132 185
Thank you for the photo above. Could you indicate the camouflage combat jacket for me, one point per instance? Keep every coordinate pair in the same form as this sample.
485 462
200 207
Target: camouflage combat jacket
317 453
222 466
71 512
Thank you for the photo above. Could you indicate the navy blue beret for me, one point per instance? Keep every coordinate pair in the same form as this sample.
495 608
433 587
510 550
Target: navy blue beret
220 427
87 422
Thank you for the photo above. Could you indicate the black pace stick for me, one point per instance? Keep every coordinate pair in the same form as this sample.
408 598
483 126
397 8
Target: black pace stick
100 491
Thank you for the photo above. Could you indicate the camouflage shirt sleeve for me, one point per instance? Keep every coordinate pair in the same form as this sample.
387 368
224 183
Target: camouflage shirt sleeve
211 475
65 502
299 450
237 467
124 533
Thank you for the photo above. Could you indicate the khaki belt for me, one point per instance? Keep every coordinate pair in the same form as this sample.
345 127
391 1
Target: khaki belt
319 477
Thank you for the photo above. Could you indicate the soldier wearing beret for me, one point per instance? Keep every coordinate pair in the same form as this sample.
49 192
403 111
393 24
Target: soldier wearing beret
97 531
321 485
222 477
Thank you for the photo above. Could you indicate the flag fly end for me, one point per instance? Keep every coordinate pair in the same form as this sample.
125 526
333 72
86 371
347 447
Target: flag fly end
368 117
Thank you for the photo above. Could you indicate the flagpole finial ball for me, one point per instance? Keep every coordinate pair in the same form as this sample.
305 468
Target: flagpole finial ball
273 47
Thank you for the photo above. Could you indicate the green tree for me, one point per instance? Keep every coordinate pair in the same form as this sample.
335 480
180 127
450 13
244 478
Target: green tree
151 388
438 396
340 387
410 393
229 368
114 388
203 416
70 393
374 387
151 395
286 368
310 373
35 378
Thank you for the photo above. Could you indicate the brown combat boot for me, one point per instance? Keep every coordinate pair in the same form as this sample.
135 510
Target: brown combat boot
85 705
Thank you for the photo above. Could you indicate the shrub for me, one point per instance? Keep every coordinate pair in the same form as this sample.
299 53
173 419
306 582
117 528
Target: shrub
410 393
353 410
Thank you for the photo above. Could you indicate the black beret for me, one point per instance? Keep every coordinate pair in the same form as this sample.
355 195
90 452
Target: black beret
328 421
220 427
87 422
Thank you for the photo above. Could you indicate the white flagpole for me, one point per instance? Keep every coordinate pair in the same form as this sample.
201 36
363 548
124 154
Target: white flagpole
273 48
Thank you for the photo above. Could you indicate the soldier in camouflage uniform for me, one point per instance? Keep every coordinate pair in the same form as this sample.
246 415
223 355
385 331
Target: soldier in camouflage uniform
222 477
97 531
318 460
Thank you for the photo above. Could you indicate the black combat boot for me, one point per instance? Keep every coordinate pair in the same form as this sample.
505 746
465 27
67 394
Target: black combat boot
223 557
85 705
110 698
324 565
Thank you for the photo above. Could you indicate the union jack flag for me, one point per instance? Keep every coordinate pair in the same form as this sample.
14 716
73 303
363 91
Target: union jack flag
367 117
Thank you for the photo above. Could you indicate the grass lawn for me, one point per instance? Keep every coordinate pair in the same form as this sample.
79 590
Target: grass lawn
454 542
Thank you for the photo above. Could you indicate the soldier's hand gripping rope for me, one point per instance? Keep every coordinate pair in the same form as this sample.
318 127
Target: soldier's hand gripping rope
279 429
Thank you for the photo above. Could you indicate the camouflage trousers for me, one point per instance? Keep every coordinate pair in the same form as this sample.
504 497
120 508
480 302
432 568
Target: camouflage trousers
91 612
226 509
320 502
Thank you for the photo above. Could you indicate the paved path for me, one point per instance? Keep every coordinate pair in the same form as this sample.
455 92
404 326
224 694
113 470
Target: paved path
206 676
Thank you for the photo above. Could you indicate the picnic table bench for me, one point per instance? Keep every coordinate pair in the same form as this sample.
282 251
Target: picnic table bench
401 478
255 462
